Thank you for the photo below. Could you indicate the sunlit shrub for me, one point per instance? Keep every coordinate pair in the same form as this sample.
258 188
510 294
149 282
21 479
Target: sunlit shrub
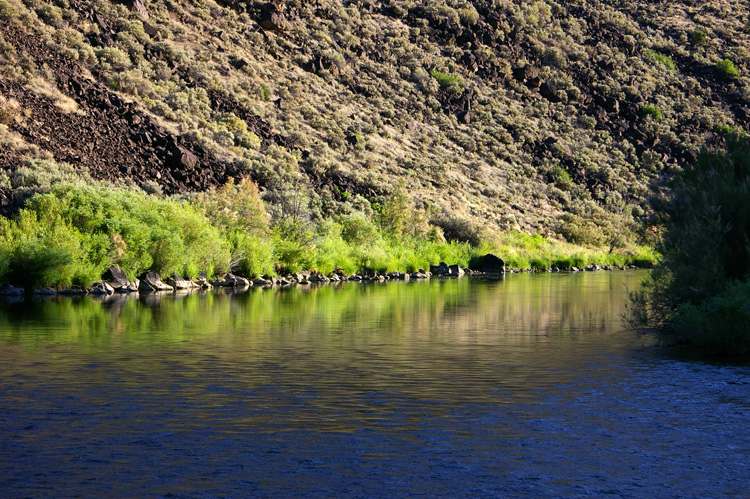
727 68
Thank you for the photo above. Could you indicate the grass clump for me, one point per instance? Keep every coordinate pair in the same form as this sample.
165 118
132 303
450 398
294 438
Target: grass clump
447 81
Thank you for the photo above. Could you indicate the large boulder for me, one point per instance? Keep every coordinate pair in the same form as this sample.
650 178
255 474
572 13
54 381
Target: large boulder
490 264
9 290
115 277
440 270
455 271
150 282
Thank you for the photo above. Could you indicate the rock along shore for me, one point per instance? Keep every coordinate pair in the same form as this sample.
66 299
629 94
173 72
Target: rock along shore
114 280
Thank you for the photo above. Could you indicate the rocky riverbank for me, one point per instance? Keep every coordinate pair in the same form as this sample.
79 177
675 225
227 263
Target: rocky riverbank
115 281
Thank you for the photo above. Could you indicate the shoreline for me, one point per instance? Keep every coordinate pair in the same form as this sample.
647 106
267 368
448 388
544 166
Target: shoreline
101 290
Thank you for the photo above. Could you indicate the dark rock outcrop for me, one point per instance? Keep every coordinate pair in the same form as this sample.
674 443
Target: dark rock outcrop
489 264
178 282
9 290
101 288
116 277
150 282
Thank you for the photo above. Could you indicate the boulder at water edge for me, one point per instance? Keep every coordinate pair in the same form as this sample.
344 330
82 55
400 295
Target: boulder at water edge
151 282
489 264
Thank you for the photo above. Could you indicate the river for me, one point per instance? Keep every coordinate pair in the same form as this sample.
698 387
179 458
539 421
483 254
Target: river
527 386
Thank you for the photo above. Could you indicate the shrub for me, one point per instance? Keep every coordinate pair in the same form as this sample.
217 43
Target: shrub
698 38
461 230
705 249
727 69
662 59
653 111
578 230
98 226
446 81
561 177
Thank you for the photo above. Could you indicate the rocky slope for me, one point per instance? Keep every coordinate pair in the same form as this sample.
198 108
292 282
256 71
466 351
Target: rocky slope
540 116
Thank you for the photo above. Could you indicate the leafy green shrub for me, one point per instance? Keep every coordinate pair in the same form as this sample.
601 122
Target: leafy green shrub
88 228
698 38
653 111
727 68
578 230
461 230
357 229
447 81
561 178
705 251
731 131
719 325
662 59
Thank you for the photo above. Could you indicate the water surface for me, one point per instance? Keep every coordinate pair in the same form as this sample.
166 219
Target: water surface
458 388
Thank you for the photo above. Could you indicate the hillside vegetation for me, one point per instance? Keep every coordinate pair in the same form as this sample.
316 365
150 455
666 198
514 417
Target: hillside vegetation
557 118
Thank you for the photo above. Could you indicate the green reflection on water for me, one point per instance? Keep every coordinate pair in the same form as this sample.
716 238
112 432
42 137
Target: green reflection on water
520 308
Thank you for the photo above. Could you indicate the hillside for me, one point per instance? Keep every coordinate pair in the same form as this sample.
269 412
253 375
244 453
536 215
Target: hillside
552 117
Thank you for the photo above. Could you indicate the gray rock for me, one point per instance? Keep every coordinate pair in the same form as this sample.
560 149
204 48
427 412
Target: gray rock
420 274
116 278
455 271
232 281
150 282
44 292
177 282
101 288
9 290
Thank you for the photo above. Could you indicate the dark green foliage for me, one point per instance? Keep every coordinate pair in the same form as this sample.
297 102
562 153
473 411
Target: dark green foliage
706 251
698 38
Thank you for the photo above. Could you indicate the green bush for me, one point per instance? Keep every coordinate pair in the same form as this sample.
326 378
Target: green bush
662 59
561 178
653 111
705 250
84 229
727 69
698 38
447 81
578 230
719 325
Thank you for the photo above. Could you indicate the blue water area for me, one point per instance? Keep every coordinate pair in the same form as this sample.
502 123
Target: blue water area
527 386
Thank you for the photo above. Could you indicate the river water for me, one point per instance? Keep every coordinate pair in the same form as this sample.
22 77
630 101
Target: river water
528 386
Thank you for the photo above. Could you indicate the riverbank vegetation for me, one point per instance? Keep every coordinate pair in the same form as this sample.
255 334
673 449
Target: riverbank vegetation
70 234
699 293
